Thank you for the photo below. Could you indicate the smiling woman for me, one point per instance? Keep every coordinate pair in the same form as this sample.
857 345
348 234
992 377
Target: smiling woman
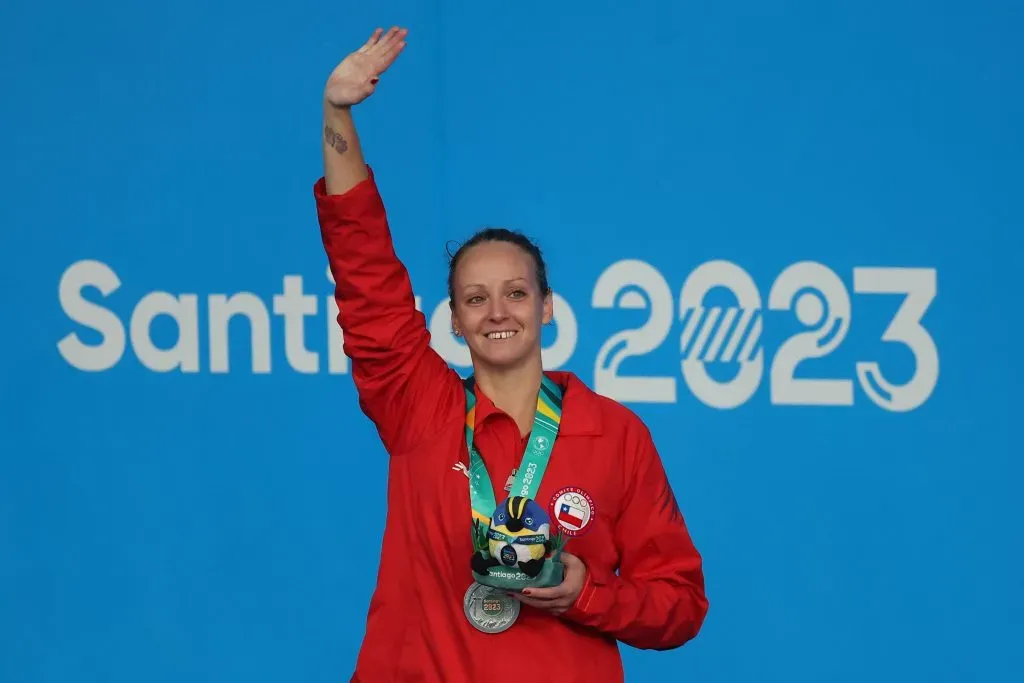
586 547
500 299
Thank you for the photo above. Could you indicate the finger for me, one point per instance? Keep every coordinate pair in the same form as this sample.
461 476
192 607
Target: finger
391 44
386 50
380 65
547 594
388 39
385 61
374 37
547 605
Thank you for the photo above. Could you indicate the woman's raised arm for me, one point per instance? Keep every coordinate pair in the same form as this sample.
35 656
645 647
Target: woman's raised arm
404 386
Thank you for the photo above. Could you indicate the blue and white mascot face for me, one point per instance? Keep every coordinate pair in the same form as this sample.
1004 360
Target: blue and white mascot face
519 531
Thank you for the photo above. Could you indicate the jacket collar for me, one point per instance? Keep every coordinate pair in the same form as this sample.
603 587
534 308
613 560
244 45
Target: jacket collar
581 407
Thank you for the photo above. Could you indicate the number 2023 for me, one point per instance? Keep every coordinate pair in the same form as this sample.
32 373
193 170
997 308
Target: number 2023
828 311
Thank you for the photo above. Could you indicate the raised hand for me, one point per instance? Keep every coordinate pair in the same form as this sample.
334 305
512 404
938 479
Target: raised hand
355 78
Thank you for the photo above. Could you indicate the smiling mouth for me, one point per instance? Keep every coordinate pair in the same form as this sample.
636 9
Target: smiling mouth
502 334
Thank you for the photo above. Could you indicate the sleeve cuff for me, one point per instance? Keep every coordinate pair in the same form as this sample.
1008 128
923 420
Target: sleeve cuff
589 602
359 201
367 185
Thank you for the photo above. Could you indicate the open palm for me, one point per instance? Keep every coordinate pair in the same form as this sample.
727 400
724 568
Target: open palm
356 77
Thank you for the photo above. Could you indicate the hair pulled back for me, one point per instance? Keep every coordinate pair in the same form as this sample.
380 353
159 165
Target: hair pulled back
499 235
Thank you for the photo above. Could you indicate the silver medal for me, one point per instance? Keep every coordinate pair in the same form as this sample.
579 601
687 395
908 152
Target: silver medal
490 610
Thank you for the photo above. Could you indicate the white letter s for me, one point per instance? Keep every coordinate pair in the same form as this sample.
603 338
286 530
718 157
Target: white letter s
107 354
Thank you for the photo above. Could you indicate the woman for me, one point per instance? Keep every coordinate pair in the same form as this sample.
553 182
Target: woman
630 571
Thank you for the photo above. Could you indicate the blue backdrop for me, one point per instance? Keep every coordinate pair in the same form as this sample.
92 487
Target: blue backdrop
782 232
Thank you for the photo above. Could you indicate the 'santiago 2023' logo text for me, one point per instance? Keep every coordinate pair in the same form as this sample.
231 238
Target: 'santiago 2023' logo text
725 336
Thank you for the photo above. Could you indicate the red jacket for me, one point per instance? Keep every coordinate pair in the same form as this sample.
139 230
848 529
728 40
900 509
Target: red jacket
416 629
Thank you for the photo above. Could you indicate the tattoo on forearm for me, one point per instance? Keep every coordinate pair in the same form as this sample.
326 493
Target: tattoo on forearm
334 140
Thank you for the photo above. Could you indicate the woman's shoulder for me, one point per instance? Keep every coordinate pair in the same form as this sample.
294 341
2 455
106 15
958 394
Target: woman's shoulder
586 410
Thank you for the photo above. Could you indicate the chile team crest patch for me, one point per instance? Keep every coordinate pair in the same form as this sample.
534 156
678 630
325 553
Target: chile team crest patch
573 510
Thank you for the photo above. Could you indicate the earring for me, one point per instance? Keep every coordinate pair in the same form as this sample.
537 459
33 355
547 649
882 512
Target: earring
457 333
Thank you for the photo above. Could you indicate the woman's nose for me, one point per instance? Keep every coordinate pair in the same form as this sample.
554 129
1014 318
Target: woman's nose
497 310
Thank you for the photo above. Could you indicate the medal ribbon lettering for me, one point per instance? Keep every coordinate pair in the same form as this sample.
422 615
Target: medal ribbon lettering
546 421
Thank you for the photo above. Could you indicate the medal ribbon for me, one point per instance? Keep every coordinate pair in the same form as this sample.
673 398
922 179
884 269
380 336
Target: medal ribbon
546 421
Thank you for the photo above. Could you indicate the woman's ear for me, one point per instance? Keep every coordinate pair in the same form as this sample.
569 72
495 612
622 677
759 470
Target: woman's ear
456 325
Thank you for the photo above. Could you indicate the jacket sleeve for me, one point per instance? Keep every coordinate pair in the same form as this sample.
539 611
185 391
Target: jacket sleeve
657 599
403 385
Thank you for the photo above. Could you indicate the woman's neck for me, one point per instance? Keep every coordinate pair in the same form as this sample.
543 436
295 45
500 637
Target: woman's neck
513 390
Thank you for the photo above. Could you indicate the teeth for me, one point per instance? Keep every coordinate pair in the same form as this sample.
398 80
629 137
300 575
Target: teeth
501 335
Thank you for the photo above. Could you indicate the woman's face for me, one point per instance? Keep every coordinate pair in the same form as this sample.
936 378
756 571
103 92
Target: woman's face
498 306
